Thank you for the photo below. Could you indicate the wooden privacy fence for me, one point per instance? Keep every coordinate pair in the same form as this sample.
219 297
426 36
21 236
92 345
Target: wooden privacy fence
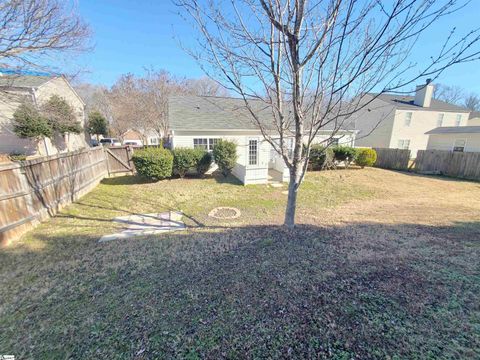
32 190
464 165
396 159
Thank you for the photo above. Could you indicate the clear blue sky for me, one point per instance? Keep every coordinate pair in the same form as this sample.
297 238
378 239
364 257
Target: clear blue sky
130 35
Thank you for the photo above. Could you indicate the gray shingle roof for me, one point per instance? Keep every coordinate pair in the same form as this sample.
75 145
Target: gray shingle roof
455 130
219 113
474 114
406 102
23 81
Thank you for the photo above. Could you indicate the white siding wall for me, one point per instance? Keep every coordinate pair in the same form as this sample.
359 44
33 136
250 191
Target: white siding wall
247 174
344 138
446 141
251 174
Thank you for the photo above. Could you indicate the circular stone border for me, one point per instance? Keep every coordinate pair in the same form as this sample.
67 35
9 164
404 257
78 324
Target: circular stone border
214 212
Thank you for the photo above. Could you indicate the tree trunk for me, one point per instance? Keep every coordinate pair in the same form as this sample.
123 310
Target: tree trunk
293 186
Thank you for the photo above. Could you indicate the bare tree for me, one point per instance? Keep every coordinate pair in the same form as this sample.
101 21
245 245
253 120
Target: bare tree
96 98
33 30
205 87
126 105
450 94
310 63
472 102
140 102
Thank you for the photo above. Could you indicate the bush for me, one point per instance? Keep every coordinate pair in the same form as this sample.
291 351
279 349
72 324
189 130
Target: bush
346 154
225 155
28 123
61 115
366 157
320 157
183 160
204 161
97 124
153 163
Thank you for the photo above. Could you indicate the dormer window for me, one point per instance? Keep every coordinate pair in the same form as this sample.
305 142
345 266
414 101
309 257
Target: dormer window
458 120
408 118
440 120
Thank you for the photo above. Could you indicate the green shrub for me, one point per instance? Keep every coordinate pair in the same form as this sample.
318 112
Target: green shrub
320 157
225 155
153 163
346 154
28 123
61 115
97 124
204 161
183 160
366 157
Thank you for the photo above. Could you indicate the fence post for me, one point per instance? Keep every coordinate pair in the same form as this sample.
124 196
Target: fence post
105 156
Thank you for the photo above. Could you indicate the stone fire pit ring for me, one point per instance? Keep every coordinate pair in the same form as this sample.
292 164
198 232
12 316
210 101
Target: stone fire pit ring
225 213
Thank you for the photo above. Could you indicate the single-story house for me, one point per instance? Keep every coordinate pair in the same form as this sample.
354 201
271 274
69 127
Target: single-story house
16 89
454 138
200 121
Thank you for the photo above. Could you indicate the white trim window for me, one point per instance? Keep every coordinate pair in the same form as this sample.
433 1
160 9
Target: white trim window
440 119
459 145
205 143
200 143
408 118
458 120
404 144
253 152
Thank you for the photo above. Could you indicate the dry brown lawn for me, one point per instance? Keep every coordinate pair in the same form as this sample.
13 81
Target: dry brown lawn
383 265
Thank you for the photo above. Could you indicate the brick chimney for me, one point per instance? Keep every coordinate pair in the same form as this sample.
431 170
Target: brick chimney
423 94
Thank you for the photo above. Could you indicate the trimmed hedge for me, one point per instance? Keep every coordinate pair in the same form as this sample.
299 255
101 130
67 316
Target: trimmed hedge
153 163
366 157
203 161
183 160
225 155
346 154
320 157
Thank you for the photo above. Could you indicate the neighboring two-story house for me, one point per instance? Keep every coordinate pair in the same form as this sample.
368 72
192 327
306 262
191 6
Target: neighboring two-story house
15 89
398 121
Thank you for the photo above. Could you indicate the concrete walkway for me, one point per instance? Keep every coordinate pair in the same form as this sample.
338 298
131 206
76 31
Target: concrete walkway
146 224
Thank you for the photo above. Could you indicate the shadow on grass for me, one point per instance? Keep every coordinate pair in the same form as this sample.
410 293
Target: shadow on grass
127 180
441 177
135 179
364 290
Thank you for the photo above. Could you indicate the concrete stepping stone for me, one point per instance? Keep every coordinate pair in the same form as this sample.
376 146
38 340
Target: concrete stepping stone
146 224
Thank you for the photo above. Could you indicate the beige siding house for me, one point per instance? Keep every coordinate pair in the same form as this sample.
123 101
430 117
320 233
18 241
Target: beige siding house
147 137
200 121
396 121
463 139
36 89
